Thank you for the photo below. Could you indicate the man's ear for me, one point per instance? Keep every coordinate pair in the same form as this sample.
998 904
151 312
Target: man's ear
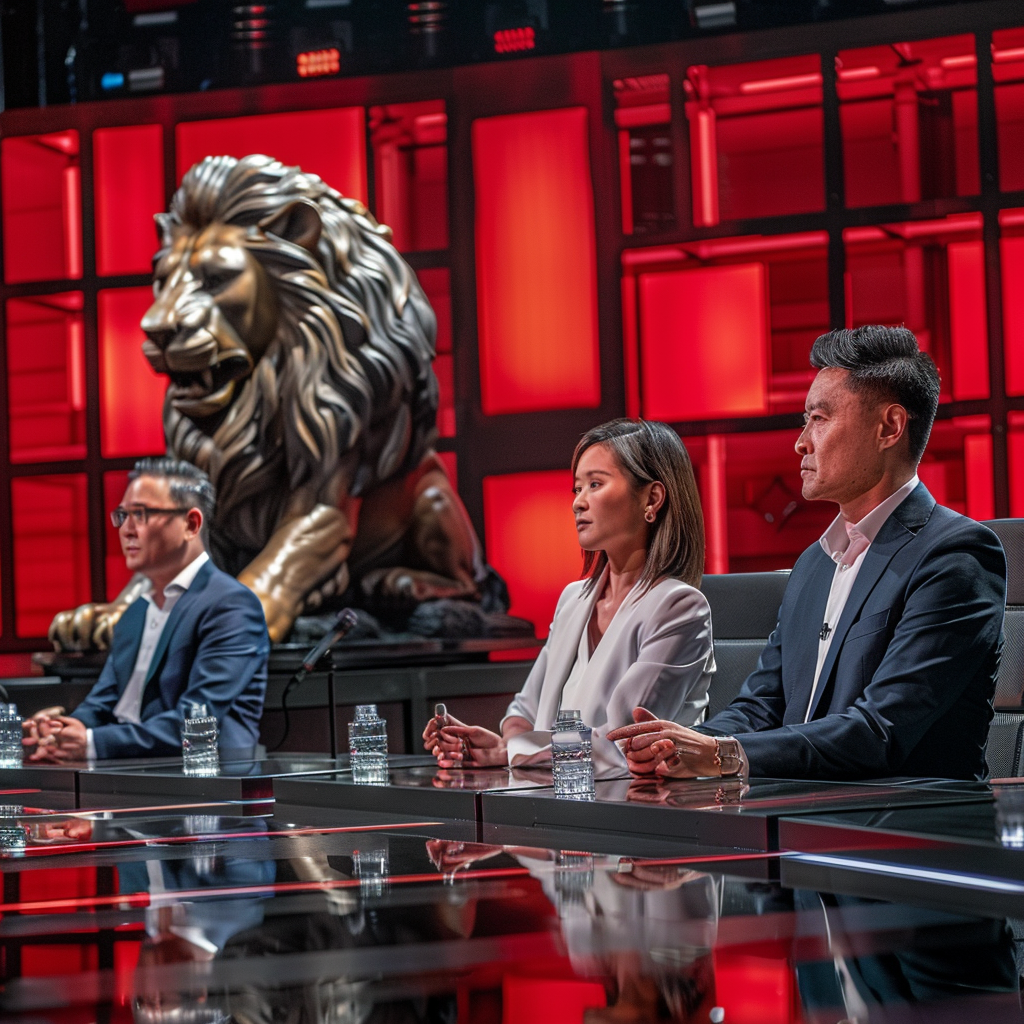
894 422
194 520
298 222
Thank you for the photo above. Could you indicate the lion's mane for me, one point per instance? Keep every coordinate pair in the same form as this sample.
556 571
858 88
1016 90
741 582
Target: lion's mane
312 399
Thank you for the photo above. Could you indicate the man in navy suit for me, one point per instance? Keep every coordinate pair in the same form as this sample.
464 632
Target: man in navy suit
884 659
194 635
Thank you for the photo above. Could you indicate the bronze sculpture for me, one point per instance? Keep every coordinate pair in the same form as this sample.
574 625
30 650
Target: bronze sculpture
298 343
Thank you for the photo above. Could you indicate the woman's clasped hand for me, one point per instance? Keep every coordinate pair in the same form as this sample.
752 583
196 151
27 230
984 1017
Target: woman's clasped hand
656 747
457 745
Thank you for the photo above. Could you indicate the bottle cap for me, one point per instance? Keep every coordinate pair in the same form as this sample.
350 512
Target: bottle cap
198 711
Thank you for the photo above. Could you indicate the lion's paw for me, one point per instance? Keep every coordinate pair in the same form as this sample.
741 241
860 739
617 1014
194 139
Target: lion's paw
89 627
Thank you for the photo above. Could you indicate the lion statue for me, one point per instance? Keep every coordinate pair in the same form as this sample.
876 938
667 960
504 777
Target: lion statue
298 344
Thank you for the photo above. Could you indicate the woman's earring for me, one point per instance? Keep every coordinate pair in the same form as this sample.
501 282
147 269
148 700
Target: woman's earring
649 514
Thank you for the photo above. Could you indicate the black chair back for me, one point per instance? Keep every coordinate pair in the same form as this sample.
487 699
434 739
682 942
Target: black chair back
1006 734
744 611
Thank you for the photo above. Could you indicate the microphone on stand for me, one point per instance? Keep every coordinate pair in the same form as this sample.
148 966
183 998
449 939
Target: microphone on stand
346 621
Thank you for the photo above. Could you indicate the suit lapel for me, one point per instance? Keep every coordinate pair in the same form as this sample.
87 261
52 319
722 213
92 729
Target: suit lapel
812 601
179 609
132 624
562 656
897 531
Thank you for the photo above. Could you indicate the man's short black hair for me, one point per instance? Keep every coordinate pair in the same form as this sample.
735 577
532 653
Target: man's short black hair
189 486
886 363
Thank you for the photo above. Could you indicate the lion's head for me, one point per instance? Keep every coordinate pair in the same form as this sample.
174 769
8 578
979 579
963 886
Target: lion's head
294 336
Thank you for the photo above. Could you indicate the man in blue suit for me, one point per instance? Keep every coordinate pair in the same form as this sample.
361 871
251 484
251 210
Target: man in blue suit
884 659
194 635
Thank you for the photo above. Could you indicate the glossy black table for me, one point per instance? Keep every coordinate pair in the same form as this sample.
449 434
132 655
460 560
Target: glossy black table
213 917
412 792
722 813
57 785
973 854
252 782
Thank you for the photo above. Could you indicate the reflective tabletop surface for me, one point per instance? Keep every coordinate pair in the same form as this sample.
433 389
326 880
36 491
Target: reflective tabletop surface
212 917
720 812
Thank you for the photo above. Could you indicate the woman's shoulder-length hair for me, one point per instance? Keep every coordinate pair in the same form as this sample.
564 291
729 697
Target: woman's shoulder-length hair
649 451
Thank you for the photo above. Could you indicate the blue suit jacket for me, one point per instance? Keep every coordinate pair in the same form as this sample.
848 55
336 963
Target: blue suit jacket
907 686
213 650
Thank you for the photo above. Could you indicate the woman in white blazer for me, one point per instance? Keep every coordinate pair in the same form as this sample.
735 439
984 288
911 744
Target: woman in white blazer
635 631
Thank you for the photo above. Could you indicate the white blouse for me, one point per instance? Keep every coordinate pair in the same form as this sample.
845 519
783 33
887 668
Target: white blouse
656 653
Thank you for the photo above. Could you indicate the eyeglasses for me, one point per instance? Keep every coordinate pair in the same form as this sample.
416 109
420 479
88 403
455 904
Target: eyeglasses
140 514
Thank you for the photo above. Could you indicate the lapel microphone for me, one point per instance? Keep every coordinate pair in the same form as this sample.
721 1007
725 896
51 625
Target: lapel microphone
825 630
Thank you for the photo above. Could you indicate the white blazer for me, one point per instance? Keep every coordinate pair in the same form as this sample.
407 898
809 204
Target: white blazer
656 653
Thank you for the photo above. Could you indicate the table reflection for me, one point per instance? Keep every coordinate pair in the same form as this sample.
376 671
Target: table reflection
259 923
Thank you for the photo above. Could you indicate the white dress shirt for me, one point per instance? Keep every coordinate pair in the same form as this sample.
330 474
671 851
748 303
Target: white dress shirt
129 707
846 544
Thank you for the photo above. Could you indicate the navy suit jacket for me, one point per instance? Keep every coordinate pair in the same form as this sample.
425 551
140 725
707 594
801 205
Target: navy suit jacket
213 651
907 686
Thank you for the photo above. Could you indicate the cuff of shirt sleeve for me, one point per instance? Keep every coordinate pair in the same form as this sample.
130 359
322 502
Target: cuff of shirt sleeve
529 748
90 746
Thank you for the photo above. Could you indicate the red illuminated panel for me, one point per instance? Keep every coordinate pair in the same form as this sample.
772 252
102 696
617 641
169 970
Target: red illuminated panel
703 343
436 283
529 1000
909 118
131 394
1015 436
756 138
980 499
968 320
42 211
1013 312
755 989
51 548
535 262
129 189
114 485
330 143
531 539
46 378
1008 72
410 153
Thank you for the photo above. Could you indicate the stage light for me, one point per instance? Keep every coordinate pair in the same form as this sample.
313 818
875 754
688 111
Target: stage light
314 63
514 40
112 80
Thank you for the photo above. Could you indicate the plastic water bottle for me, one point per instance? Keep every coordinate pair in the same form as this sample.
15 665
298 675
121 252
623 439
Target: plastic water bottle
199 742
571 760
368 746
12 831
10 736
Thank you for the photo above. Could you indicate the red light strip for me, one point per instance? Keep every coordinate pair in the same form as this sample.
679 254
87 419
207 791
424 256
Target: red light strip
512 40
780 84
142 899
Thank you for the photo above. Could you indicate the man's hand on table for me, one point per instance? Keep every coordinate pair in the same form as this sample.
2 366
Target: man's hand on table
654 747
57 739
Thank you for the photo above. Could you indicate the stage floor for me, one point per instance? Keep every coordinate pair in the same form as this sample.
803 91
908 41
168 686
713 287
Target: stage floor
341 905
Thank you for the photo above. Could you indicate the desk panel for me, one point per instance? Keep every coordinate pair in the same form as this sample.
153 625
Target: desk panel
247 782
721 813
412 792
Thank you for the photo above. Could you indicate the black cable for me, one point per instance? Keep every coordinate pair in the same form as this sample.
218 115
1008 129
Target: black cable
291 684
